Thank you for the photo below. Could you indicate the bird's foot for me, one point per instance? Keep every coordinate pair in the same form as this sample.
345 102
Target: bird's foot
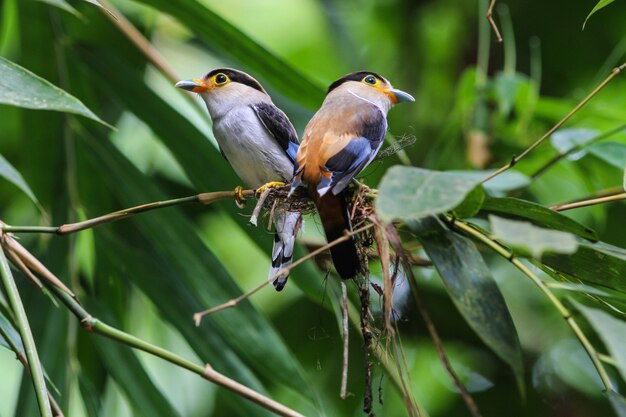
266 186
240 200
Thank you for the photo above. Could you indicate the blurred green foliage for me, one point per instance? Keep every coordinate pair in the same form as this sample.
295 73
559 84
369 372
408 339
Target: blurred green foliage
478 104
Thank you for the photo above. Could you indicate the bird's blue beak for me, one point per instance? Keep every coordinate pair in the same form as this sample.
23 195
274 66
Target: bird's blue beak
195 86
400 96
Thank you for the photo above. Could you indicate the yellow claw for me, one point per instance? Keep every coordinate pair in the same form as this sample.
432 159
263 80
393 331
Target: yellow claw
240 200
268 185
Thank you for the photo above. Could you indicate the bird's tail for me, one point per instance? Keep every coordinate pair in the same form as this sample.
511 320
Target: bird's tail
287 224
335 217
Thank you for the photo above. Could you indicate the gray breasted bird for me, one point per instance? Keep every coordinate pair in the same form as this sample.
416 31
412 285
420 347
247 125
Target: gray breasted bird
339 141
258 141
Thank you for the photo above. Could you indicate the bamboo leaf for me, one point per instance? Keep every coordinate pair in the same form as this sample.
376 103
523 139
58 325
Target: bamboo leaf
537 214
11 336
30 350
8 172
614 153
409 193
194 268
20 87
503 183
566 140
63 5
233 44
129 374
599 5
583 265
473 290
612 332
618 403
532 239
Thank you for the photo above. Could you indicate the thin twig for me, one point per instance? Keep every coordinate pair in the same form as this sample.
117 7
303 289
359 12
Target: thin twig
616 71
492 22
591 202
92 324
197 317
409 400
383 251
26 259
56 409
368 337
564 311
140 41
203 198
343 392
258 207
545 167
430 325
19 355
39 383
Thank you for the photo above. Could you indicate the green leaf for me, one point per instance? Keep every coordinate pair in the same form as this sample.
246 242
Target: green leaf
8 172
612 152
537 214
20 87
612 332
601 4
532 239
584 264
9 330
506 87
194 270
230 42
129 374
472 203
618 403
567 140
503 183
409 193
473 290
63 5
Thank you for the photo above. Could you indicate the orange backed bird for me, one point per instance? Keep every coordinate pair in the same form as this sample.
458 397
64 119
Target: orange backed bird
339 141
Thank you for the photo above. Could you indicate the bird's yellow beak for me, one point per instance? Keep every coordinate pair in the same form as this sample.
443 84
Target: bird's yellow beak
195 85
398 96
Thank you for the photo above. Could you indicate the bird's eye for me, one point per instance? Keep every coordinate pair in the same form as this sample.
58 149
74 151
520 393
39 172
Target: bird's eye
370 79
220 79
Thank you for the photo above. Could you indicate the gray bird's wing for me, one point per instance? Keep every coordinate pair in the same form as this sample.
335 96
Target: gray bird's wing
279 126
354 157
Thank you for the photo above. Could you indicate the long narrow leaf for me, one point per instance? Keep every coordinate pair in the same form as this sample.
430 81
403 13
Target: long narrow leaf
473 291
538 214
175 240
20 87
230 42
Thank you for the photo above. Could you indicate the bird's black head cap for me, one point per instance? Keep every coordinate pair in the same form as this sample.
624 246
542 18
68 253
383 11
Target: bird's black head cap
238 77
353 76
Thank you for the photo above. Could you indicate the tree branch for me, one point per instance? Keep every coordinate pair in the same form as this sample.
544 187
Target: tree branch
591 202
66 229
616 71
492 22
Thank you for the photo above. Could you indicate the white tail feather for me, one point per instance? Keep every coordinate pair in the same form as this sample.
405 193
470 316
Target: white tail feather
287 224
